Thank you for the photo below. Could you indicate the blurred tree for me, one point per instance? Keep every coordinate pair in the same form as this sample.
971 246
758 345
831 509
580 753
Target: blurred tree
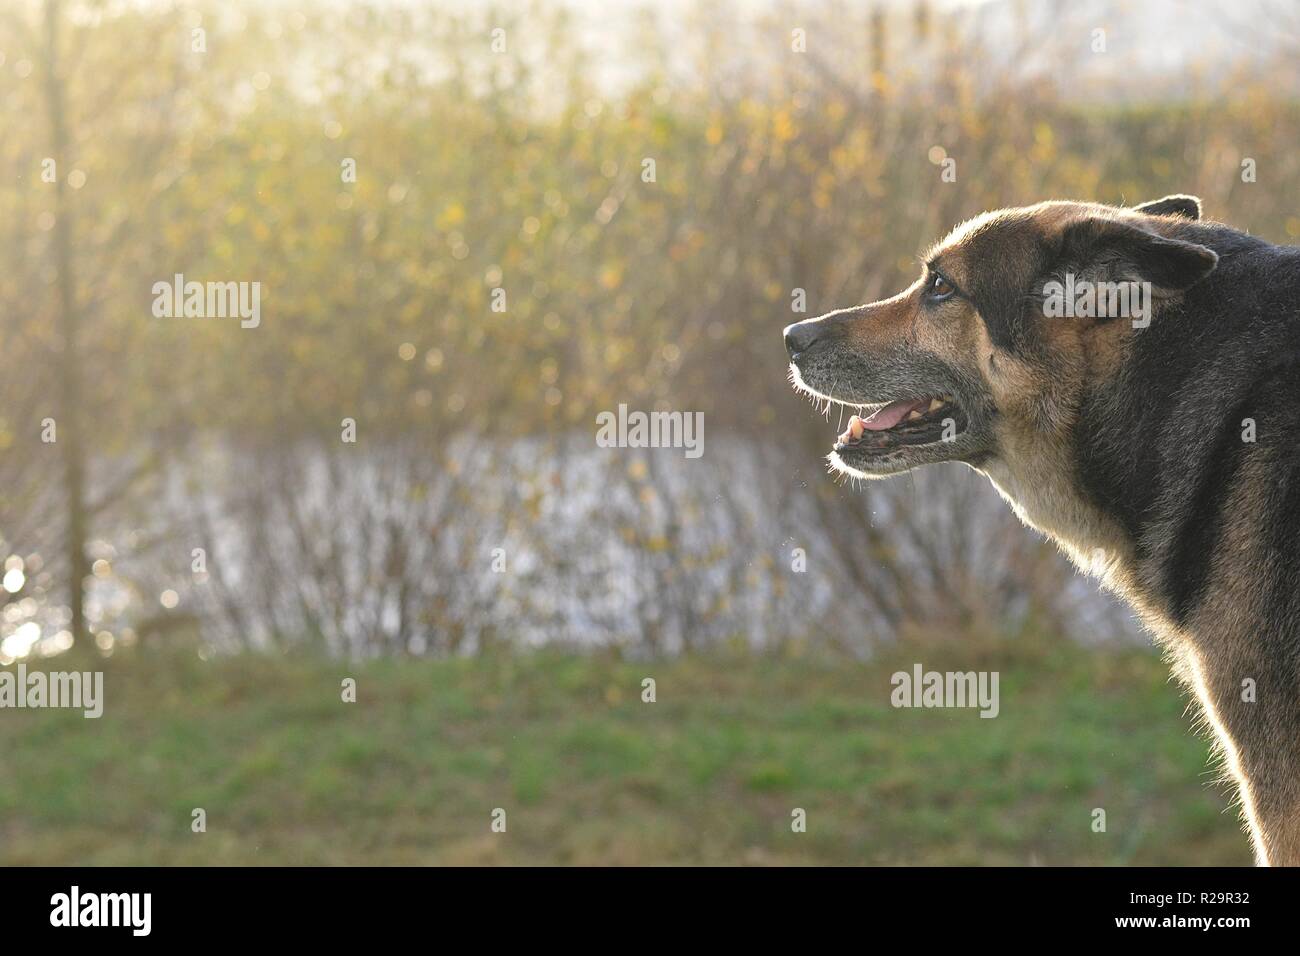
518 178
69 364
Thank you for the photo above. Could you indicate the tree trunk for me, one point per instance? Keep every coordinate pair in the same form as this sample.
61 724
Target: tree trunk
69 435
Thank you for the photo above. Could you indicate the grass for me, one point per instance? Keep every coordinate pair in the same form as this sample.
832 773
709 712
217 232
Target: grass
589 774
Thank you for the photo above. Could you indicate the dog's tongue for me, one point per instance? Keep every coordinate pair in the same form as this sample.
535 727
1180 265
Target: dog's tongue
893 413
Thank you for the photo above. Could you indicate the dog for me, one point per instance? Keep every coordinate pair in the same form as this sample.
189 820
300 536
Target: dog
1154 434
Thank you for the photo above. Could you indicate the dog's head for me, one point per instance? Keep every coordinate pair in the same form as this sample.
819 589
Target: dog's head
1014 314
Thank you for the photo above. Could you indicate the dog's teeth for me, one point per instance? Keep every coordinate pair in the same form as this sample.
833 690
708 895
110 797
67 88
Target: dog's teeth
913 416
935 405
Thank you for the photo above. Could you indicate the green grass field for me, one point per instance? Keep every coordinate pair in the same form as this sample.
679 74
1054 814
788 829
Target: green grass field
589 774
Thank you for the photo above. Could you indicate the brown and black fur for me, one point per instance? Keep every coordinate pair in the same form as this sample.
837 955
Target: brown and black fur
1124 444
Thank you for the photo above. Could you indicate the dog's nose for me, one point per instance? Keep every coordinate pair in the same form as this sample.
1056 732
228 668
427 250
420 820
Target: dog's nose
800 336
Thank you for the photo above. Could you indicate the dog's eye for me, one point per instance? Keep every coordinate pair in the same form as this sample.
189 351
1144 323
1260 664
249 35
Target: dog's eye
939 288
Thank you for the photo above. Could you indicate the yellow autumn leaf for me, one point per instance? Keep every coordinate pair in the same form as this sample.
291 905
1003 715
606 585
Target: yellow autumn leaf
453 215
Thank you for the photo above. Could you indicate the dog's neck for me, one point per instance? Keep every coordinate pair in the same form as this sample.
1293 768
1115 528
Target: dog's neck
1038 474
1079 476
1039 485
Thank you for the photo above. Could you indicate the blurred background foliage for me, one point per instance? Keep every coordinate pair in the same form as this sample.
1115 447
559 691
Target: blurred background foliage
211 139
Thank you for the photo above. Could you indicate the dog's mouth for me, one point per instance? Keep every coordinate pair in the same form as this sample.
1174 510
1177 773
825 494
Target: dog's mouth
909 422
938 421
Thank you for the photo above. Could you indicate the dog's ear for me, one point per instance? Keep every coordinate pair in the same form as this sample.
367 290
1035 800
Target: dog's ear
1103 249
1188 207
